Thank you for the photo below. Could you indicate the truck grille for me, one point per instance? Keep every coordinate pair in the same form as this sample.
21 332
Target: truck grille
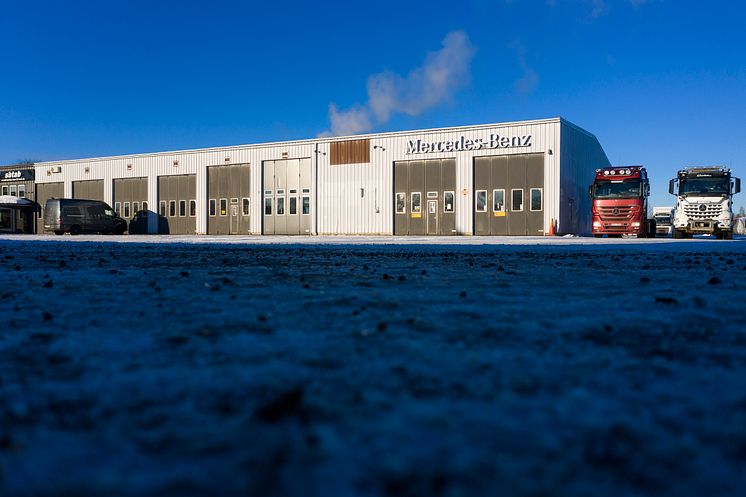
621 213
695 211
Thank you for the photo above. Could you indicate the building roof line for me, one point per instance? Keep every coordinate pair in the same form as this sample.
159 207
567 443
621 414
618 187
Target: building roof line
310 141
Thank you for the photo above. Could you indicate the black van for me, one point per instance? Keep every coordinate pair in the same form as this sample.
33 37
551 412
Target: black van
75 216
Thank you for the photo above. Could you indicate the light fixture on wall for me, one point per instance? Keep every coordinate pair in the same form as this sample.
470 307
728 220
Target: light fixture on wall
176 163
227 159
87 170
549 152
129 167
383 149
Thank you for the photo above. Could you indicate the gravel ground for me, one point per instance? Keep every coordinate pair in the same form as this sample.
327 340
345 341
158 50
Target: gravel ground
566 369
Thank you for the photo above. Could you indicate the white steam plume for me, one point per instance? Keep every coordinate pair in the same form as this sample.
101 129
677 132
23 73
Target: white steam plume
435 82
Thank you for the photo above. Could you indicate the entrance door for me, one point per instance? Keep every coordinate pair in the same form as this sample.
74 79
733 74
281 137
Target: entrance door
287 197
234 216
432 217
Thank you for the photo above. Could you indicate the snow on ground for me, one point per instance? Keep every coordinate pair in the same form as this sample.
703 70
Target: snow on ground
370 366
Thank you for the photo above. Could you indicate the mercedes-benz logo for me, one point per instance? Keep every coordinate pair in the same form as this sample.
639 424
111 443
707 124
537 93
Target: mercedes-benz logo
615 211
702 207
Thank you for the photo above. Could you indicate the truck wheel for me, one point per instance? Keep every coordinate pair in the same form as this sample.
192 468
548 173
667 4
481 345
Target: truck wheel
678 234
597 236
728 235
120 231
74 229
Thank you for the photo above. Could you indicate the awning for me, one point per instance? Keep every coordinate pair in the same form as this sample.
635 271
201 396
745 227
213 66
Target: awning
11 201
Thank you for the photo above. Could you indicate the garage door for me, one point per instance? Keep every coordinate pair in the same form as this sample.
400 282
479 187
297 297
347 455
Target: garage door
509 195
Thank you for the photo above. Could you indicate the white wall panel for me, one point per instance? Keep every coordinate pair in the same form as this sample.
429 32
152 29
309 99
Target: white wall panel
581 156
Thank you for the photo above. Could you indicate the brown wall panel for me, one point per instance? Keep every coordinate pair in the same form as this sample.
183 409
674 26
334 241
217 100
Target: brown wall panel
349 152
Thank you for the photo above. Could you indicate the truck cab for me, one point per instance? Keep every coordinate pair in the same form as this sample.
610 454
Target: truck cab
663 220
704 201
620 202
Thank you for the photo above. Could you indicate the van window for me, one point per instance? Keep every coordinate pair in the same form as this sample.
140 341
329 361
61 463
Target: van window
95 211
71 210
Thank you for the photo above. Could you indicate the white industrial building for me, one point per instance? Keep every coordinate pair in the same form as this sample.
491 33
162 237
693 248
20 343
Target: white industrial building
508 178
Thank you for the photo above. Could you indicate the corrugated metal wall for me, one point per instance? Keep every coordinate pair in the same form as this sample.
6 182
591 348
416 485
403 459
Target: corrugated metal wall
581 156
349 199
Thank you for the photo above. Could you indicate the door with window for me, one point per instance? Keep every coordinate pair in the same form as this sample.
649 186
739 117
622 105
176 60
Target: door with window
425 197
432 215
287 197
508 195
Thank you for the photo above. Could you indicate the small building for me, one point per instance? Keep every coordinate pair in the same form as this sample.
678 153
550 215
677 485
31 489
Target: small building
17 199
497 179
16 214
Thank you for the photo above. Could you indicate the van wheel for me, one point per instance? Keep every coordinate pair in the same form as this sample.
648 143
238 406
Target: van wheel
120 231
59 232
74 229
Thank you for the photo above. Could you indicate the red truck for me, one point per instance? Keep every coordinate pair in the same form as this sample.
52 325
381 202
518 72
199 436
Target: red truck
620 202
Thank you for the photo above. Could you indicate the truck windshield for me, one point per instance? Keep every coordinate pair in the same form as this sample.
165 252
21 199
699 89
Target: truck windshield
624 189
716 186
663 219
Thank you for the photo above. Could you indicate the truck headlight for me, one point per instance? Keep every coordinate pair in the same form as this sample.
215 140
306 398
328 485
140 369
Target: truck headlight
635 225
596 224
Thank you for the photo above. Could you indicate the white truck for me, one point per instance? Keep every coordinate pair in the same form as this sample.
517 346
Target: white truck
663 220
704 202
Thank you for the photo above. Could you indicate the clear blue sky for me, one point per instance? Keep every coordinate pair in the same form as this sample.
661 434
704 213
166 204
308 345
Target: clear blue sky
660 83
